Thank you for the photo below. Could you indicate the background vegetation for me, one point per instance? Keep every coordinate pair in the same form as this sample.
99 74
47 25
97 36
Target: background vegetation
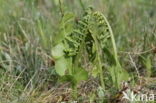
27 35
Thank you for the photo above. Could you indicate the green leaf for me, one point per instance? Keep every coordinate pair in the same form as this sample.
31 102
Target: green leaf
58 51
68 78
65 27
67 23
68 17
80 74
59 36
61 66
118 75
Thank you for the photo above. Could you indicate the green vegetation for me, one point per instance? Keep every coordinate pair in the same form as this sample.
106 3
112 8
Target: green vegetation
89 51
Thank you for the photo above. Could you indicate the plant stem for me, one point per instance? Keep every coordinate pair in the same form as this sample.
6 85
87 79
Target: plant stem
100 69
100 63
60 6
113 42
76 65
118 68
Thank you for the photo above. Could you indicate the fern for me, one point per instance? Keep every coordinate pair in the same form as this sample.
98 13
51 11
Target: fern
91 32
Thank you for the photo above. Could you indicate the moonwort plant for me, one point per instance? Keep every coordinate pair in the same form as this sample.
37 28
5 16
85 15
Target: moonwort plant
89 34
